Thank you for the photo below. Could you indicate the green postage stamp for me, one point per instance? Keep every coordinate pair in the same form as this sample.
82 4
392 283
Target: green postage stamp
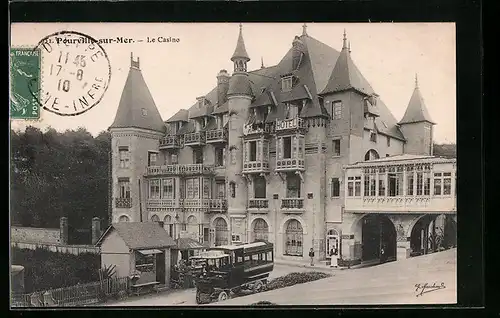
25 83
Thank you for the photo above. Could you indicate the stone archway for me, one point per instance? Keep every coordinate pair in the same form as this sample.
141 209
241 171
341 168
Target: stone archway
260 229
378 238
124 218
221 231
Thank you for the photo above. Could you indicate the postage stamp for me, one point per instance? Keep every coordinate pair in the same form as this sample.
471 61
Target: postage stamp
24 67
75 73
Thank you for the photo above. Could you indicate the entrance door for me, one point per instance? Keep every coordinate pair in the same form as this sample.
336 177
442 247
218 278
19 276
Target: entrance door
332 242
160 268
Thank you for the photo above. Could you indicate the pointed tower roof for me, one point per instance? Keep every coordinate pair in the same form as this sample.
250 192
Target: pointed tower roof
137 107
240 51
416 111
346 75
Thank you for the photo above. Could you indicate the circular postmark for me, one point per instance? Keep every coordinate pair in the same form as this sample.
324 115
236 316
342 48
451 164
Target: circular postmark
74 73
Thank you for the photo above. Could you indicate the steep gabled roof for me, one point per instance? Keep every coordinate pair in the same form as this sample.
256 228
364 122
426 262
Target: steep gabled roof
137 108
140 235
181 115
416 111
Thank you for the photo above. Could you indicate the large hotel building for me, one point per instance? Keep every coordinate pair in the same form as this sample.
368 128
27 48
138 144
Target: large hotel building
304 154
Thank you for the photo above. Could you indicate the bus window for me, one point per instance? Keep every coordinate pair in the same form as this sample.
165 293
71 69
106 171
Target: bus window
247 258
239 259
269 256
255 257
261 257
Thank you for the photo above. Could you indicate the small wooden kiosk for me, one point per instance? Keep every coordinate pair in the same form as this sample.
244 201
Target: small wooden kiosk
139 250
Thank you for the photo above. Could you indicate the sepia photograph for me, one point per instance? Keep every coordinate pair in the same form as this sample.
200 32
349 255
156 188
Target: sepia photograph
232 164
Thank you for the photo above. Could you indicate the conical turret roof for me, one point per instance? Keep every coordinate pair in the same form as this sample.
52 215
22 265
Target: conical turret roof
137 108
346 75
416 111
240 51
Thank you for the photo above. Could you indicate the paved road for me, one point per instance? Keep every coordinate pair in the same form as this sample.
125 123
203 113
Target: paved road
390 283
188 297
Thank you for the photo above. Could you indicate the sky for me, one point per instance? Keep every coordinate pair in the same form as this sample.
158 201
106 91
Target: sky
387 54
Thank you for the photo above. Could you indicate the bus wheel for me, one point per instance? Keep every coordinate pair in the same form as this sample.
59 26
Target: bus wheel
223 296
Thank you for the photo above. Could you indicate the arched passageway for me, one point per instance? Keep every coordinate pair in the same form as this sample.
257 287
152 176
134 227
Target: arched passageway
378 238
221 232
432 233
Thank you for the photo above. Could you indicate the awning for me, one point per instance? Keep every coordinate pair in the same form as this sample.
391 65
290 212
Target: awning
149 252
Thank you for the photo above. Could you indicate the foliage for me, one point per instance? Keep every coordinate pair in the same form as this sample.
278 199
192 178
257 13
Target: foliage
57 174
294 279
445 150
45 269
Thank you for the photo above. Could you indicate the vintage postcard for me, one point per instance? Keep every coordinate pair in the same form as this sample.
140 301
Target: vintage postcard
213 164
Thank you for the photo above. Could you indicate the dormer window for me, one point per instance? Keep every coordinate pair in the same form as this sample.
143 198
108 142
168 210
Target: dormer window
201 101
286 83
373 136
144 111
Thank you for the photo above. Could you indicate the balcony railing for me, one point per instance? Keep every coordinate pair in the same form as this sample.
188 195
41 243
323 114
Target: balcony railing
170 142
194 139
258 204
255 166
401 203
178 169
162 203
290 164
216 136
290 124
123 202
218 205
292 203
195 203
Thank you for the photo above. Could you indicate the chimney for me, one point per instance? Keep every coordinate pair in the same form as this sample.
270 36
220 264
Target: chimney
297 52
96 229
63 230
222 86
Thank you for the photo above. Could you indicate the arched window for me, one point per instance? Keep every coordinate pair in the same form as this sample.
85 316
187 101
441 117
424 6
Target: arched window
232 189
221 232
260 230
124 218
192 227
168 225
293 238
371 155
155 218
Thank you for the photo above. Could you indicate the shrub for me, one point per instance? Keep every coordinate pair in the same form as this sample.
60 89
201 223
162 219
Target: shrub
45 269
295 278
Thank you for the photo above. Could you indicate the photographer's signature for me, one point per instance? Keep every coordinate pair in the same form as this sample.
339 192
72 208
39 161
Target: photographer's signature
422 289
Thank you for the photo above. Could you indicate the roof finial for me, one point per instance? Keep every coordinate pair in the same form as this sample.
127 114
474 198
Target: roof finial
349 47
241 26
344 44
134 64
416 80
262 62
304 29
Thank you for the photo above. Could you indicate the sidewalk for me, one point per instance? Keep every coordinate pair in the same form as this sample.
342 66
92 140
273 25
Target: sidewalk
321 265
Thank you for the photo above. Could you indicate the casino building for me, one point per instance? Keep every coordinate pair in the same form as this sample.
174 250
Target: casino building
303 154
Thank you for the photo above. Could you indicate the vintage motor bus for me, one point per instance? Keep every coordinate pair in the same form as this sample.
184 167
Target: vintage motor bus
230 269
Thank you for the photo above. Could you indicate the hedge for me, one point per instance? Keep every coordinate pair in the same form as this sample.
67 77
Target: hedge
45 269
294 279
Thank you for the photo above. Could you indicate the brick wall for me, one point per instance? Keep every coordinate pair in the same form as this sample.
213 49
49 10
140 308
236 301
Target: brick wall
35 235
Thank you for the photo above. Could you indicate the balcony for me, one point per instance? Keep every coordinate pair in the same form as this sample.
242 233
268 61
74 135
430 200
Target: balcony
218 205
438 204
216 136
292 205
178 169
290 164
255 167
162 203
195 203
258 205
194 139
124 203
170 142
293 124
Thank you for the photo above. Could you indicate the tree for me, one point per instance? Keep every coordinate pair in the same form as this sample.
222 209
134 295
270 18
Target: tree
57 174
445 150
